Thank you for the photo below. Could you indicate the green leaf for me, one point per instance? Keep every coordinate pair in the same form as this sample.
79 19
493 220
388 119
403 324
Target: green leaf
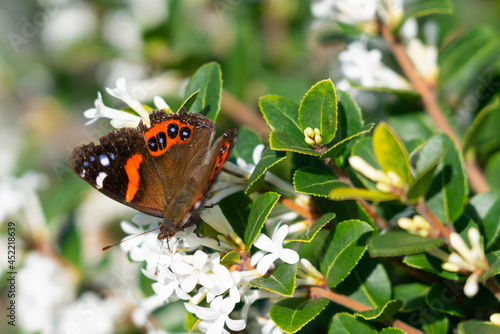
344 193
245 145
435 323
391 153
421 186
421 8
463 60
292 314
477 327
346 248
397 243
258 215
236 208
448 194
318 109
344 323
412 295
382 313
281 281
484 128
268 159
494 260
191 321
310 233
491 170
333 151
364 148
485 210
282 141
282 114
430 264
436 301
189 101
208 81
368 283
230 258
315 181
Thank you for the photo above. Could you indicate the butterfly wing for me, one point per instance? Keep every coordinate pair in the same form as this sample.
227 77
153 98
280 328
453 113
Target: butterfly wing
120 168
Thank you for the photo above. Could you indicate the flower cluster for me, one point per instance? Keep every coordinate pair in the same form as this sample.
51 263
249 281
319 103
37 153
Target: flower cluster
468 260
191 269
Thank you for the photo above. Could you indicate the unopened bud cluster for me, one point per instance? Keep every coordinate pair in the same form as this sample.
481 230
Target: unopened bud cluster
313 137
416 225
388 182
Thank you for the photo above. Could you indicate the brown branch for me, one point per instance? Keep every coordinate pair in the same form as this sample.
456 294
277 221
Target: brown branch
244 115
358 307
306 212
493 286
431 105
423 209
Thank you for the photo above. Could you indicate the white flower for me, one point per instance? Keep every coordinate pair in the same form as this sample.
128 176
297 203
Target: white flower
167 284
360 13
467 259
307 274
91 314
367 69
118 118
197 272
416 225
214 319
495 319
423 56
146 306
44 286
275 248
385 182
224 280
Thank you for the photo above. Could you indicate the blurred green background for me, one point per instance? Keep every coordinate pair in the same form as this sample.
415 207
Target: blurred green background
55 56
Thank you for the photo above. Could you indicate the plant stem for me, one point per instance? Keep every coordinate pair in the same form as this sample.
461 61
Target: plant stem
429 98
306 212
493 286
423 209
358 307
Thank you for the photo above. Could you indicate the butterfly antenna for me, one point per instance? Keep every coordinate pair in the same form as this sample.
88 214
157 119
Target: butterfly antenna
159 254
135 236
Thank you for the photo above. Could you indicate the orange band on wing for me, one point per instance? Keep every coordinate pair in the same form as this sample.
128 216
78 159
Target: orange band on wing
132 169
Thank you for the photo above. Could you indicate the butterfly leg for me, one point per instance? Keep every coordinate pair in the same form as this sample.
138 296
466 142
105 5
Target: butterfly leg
205 236
167 229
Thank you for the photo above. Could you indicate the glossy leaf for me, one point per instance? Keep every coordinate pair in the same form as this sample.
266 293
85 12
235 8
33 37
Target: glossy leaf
236 208
230 258
315 181
421 8
476 327
346 248
207 80
411 294
310 233
258 215
281 281
448 194
368 283
268 159
318 109
189 101
462 61
245 145
282 141
397 243
484 129
384 312
436 301
430 264
334 150
344 323
344 193
292 314
391 153
485 210
437 323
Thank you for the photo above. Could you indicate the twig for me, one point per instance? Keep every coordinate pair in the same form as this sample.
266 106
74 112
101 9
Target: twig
358 307
244 115
423 209
492 284
306 212
431 105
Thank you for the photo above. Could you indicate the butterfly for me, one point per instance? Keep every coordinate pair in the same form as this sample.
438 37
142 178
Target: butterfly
164 170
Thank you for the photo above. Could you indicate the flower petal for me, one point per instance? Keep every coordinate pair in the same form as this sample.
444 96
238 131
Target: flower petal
265 263
289 256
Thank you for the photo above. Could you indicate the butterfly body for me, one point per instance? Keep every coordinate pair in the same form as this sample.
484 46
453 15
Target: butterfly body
164 170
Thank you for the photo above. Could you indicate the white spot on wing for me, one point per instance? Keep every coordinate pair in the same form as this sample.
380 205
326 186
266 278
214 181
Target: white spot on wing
104 160
100 179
